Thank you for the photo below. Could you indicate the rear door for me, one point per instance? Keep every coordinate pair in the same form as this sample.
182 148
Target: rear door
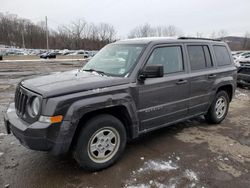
202 77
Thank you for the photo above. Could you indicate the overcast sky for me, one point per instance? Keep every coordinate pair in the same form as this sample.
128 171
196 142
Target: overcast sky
191 16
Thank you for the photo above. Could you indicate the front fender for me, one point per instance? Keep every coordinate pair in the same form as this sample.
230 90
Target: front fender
81 107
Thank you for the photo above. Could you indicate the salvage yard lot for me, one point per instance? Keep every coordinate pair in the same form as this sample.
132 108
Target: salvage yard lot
35 57
188 154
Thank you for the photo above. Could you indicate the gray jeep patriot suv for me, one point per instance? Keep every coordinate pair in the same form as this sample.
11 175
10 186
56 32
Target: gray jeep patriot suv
129 88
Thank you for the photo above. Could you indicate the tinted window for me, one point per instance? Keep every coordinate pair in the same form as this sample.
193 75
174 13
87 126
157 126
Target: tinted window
199 57
170 57
222 55
196 57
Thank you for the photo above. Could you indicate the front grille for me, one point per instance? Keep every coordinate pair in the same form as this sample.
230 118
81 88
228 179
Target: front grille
21 100
23 97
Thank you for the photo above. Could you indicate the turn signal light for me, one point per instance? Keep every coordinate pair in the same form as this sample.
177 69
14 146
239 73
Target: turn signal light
56 119
52 119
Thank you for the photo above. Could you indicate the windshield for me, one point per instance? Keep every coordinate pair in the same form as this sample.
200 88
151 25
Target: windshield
115 59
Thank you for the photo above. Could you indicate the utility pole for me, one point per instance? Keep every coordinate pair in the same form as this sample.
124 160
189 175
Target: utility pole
23 39
22 33
47 32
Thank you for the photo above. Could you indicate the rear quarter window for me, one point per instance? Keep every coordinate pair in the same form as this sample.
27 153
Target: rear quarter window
222 55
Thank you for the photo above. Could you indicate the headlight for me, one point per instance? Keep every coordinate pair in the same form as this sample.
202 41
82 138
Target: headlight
35 106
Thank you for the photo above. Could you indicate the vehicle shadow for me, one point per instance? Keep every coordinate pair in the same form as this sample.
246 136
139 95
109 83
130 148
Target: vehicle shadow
171 130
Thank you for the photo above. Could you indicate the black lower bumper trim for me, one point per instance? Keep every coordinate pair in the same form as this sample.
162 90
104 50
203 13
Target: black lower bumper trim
7 125
39 135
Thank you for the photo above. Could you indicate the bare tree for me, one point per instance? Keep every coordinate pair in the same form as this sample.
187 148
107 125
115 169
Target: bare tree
91 32
213 35
142 31
106 32
159 31
77 31
222 33
199 35
246 42
65 37
171 31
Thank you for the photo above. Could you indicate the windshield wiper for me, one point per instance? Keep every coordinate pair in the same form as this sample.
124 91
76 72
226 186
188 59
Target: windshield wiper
97 71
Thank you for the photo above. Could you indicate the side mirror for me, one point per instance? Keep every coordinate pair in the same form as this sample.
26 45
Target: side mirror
152 71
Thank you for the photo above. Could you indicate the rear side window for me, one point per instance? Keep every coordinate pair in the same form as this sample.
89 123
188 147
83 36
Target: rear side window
199 57
222 55
170 57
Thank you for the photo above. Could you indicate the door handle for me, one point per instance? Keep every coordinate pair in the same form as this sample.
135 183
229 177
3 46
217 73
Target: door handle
212 76
181 82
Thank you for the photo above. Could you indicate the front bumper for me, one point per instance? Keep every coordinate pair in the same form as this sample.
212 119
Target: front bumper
38 135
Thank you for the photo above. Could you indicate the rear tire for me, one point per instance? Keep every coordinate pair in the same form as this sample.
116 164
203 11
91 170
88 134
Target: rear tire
219 108
100 143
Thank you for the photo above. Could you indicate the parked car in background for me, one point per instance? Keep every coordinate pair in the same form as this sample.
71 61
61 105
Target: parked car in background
236 53
242 55
86 54
244 60
48 55
83 53
243 76
93 53
1 54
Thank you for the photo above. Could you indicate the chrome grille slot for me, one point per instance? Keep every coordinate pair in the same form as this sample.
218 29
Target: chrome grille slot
20 102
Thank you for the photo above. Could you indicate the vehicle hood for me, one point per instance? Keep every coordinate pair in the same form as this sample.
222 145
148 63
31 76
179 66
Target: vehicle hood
70 82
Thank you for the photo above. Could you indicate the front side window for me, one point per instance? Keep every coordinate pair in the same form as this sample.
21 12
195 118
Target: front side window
170 57
222 55
115 59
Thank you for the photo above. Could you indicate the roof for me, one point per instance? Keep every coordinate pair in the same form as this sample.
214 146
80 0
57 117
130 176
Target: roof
146 40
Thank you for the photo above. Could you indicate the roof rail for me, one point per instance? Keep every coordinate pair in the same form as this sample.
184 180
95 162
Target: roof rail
194 38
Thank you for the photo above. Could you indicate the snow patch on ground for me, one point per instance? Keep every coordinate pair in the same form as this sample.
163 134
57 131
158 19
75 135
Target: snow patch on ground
3 134
1 153
152 184
240 95
138 186
191 175
171 184
158 166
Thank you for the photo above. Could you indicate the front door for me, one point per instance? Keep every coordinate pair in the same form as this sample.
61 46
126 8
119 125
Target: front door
164 100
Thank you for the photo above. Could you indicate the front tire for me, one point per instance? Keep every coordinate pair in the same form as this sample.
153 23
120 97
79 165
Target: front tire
219 108
100 143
